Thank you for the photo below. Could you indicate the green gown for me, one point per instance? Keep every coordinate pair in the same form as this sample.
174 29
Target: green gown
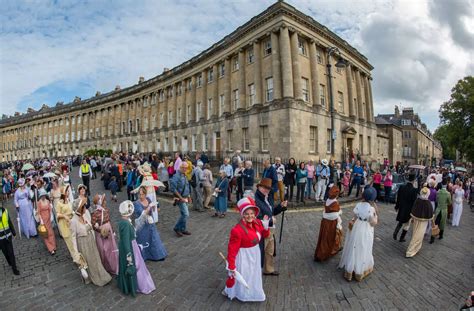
443 198
126 282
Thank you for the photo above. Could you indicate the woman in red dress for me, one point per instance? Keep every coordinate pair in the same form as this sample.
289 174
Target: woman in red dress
243 254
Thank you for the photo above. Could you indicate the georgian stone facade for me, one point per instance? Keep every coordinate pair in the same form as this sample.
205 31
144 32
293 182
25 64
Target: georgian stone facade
418 145
262 89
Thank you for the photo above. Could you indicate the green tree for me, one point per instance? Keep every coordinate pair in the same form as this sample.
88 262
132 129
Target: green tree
457 116
445 137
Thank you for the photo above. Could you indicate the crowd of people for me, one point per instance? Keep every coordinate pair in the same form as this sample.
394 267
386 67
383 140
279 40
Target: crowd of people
46 200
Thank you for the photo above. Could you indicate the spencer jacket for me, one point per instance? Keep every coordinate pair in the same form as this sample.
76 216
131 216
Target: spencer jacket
406 197
265 209
271 173
244 236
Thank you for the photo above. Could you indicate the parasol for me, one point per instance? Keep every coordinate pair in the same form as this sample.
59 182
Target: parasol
27 166
50 175
460 169
31 173
238 277
417 166
152 183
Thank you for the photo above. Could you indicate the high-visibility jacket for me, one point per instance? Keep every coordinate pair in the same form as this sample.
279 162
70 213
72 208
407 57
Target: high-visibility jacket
5 229
85 169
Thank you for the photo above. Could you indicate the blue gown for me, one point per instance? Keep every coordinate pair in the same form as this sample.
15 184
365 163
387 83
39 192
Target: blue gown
149 238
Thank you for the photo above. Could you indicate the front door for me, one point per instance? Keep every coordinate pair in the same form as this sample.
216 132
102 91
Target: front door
218 144
349 147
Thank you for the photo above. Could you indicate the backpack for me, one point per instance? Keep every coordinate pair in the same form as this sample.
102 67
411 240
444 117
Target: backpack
193 181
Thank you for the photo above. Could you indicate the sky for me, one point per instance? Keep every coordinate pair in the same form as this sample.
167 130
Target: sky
54 50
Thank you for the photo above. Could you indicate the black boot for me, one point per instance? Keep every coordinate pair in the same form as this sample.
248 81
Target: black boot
397 229
15 271
432 239
402 236
441 234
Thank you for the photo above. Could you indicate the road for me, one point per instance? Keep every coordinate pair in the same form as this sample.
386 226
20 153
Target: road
193 275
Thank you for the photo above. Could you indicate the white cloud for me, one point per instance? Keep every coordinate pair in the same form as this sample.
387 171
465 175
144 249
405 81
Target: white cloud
48 47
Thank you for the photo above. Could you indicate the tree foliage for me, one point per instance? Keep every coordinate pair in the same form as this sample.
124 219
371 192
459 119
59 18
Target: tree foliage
457 116
444 135
97 152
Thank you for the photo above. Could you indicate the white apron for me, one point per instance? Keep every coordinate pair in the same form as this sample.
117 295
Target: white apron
247 262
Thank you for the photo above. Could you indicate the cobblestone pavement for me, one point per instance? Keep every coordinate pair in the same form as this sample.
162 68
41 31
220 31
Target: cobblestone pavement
192 277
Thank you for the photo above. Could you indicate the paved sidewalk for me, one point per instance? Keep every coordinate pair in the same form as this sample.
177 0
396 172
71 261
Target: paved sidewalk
192 277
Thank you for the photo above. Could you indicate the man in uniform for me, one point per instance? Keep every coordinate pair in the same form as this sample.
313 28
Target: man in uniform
7 232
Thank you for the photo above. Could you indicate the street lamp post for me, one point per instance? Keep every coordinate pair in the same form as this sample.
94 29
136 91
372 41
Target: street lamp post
341 63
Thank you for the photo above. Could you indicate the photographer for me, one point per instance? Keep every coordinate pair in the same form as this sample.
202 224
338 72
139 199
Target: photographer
180 188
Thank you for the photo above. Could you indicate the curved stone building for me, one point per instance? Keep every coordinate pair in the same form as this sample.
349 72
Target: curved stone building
262 89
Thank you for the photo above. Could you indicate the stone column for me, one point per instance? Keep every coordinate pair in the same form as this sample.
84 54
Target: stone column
371 99
227 85
184 109
242 84
296 66
215 94
368 111
352 108
258 80
165 107
193 98
314 72
286 66
174 108
359 94
204 95
276 73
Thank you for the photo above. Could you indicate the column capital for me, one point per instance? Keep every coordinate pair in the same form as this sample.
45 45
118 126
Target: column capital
283 25
275 29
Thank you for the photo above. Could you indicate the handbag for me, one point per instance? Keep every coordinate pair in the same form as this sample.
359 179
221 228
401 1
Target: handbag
215 193
42 230
434 230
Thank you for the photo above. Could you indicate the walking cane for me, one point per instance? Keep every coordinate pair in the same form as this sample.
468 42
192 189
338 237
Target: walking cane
281 226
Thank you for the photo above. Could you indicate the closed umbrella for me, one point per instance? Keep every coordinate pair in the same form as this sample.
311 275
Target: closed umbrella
238 277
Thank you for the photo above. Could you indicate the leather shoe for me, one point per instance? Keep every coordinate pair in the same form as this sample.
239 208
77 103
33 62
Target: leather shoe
178 233
16 272
275 273
186 232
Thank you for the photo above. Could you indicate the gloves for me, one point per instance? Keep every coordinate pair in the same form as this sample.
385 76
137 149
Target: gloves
265 223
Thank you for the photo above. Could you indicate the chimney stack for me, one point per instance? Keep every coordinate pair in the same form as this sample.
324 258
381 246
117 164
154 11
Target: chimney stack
141 79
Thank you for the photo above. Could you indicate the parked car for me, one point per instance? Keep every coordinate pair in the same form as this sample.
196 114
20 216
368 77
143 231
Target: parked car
398 180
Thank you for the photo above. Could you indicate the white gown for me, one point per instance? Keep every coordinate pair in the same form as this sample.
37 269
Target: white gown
457 205
357 255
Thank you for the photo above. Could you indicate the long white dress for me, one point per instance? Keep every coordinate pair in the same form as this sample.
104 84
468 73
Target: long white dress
457 206
357 259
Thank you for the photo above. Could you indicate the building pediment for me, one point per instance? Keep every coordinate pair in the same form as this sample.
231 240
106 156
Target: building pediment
349 130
